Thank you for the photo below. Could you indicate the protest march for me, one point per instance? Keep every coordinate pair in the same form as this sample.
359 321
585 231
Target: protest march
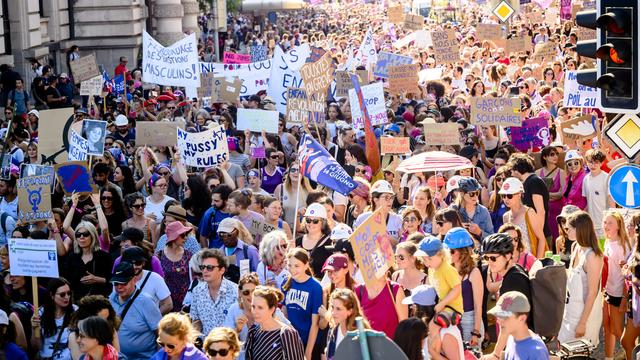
334 180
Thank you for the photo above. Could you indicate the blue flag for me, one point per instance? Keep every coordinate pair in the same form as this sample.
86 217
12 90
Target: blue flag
119 84
319 166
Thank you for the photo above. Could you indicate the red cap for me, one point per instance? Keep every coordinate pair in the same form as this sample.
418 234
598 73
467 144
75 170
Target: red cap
336 262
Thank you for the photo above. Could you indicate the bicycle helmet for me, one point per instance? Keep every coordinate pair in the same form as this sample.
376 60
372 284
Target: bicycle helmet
497 244
468 184
458 238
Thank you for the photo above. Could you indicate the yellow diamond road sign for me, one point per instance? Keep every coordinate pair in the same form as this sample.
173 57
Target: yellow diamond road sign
624 133
503 11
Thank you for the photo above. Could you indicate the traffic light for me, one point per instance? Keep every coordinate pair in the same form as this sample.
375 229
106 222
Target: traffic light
616 50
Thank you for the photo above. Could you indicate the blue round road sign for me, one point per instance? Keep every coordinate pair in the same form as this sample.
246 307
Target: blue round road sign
624 185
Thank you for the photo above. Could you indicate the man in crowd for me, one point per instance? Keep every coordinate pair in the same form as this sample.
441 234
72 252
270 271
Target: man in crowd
211 219
148 282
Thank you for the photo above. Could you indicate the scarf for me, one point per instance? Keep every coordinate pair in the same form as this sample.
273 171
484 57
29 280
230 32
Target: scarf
109 353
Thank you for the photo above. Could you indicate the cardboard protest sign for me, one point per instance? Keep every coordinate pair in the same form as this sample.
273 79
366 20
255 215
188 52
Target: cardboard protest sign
260 228
395 14
258 120
516 44
94 131
233 58
495 111
441 134
258 52
372 248
579 128
584 33
534 133
203 149
77 147
413 22
489 31
404 78
578 95
344 84
75 176
209 86
285 72
29 257
446 46
386 60
374 101
92 87
316 54
230 89
255 75
394 145
34 198
296 99
174 65
317 76
157 133
547 51
53 133
84 68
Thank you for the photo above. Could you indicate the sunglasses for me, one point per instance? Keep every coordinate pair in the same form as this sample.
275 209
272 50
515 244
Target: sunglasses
361 171
473 193
400 257
163 345
82 234
313 221
490 258
499 179
171 108
138 206
509 196
64 294
573 163
164 173
273 157
214 353
209 267
109 198
225 234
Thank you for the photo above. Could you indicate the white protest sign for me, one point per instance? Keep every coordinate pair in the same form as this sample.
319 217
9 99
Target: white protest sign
77 147
255 75
285 73
92 87
30 257
367 52
374 101
420 38
258 120
174 65
203 149
576 95
429 74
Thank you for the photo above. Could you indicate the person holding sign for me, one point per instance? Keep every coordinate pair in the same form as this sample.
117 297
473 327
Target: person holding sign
52 322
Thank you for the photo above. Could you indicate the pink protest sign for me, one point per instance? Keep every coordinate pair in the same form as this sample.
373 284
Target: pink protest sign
232 58
533 134
258 153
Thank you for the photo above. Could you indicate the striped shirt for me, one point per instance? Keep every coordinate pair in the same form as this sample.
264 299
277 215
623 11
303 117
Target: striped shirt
281 344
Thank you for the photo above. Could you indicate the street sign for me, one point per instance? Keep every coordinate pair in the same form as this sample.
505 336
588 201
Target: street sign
503 11
623 132
624 185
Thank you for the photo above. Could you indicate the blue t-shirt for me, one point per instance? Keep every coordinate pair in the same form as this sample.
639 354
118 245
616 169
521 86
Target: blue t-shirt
302 301
137 331
208 226
531 348
14 352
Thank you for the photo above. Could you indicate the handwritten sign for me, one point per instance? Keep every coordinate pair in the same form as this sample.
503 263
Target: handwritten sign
386 60
403 78
517 44
75 177
229 90
92 87
258 152
441 134
258 120
29 257
260 227
545 50
489 31
394 145
34 198
258 52
317 76
174 65
413 22
578 95
395 14
233 58
157 133
77 147
446 46
534 133
578 128
203 149
372 248
285 72
374 101
255 75
495 111
301 108
52 138
84 68
344 84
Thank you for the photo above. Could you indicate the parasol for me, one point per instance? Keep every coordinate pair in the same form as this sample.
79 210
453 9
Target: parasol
433 161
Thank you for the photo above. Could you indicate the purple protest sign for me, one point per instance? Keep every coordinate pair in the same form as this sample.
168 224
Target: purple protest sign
533 134
565 9
258 153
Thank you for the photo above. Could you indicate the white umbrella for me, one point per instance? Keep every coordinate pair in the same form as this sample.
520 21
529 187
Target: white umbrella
434 161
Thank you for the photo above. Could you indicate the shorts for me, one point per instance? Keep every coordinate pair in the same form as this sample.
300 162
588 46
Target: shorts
612 300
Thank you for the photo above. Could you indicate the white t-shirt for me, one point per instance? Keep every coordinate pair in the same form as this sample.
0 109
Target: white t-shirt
156 209
594 188
394 223
155 287
615 281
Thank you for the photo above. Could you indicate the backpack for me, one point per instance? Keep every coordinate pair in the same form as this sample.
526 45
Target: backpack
3 223
548 295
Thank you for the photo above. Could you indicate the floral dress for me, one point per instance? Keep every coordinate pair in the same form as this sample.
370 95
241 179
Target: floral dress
176 276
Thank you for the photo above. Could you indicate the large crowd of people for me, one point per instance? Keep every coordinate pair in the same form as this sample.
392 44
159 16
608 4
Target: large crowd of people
164 261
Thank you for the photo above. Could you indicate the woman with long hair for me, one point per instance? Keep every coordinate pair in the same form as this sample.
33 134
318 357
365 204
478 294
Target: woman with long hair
316 241
337 269
123 177
409 336
113 208
157 186
32 153
197 198
222 344
423 202
92 305
445 220
136 204
273 213
583 314
410 271
286 193
411 220
358 200
475 217
555 178
495 204
175 339
52 321
562 242
271 174
522 256
174 259
343 311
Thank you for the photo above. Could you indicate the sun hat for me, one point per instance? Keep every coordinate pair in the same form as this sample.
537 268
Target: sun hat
175 229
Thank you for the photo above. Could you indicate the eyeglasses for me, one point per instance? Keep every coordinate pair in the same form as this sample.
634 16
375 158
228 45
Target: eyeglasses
209 267
108 198
386 197
468 80
168 346
313 221
64 294
274 157
247 292
553 154
82 234
164 173
214 352
138 206
410 219
473 193
225 234
400 257
491 258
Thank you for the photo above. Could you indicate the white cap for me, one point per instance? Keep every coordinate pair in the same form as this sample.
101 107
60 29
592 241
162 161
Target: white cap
453 183
511 186
341 231
572 155
34 112
121 120
316 210
4 319
382 187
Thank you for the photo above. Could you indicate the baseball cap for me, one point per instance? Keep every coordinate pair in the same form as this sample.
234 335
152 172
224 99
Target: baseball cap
227 225
424 295
453 183
343 246
429 246
341 231
133 254
382 187
510 303
121 120
316 210
336 261
511 186
572 155
123 273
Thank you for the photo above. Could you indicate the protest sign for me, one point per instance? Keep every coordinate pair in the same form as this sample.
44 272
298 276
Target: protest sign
34 198
84 68
495 111
259 228
233 58
366 53
429 74
258 152
209 86
394 145
157 133
317 76
372 248
75 176
578 95
315 54
77 147
374 101
551 17
92 87
230 90
296 113
546 50
53 140
403 78
203 149
285 72
584 33
413 22
344 84
579 128
255 75
258 120
387 59
29 257
94 131
258 52
533 134
516 44
395 14
420 38
35 169
565 9
489 32
441 134
446 46
174 65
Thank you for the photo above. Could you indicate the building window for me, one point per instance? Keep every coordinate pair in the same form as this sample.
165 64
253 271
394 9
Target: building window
41 9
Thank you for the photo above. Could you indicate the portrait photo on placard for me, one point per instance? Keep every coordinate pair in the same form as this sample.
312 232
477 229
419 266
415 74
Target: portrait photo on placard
94 131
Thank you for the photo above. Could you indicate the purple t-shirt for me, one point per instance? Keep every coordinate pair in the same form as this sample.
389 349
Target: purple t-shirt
270 182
